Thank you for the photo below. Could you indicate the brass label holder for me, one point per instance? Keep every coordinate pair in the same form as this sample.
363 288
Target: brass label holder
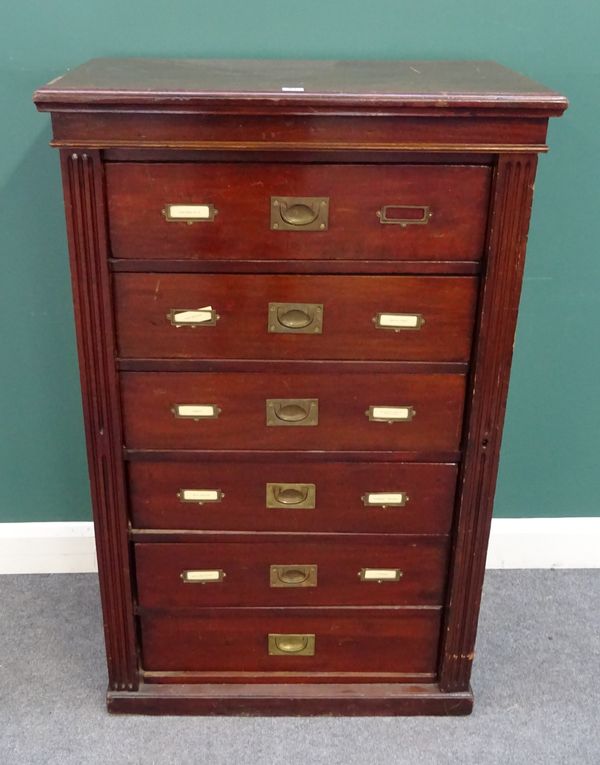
387 215
193 317
380 575
385 499
189 213
196 411
398 322
207 576
200 496
390 414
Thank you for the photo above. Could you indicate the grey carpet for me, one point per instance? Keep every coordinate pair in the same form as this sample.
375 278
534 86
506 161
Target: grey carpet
535 680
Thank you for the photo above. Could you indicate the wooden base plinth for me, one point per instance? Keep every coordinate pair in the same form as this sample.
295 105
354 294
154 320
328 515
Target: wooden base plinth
383 699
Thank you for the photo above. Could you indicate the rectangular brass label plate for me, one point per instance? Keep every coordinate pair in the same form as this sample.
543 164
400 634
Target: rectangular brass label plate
390 413
385 499
193 317
398 321
200 496
291 644
196 411
189 213
405 215
380 574
210 576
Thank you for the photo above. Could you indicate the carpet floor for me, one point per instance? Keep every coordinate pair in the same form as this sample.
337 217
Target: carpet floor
537 693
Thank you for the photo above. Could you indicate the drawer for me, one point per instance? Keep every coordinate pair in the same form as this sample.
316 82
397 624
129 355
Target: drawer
295 317
435 212
230 410
352 641
320 572
291 496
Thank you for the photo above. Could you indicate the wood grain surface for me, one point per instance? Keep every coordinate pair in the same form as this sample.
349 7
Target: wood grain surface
246 565
348 307
376 640
343 401
339 488
457 197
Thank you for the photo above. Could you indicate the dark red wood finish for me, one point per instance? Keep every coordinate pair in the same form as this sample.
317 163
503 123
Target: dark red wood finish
186 677
390 267
149 422
84 204
288 366
456 195
379 641
463 134
341 132
513 196
350 305
339 488
235 456
284 699
227 85
422 562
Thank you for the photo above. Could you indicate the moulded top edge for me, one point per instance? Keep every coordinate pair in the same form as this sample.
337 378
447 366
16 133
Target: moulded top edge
137 82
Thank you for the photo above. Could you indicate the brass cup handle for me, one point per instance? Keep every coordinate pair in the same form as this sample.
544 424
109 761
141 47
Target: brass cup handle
296 318
287 496
291 318
291 643
280 644
293 575
299 213
291 495
291 412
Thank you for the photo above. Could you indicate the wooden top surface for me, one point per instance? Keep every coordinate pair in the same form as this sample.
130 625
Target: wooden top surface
181 83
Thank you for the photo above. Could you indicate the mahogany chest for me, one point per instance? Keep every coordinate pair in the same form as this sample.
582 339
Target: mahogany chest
296 288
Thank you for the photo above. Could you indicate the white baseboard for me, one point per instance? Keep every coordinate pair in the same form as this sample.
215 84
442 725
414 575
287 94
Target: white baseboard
47 548
544 543
60 548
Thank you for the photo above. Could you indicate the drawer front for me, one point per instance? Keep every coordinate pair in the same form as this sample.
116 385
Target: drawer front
292 573
394 212
185 410
349 640
310 497
295 317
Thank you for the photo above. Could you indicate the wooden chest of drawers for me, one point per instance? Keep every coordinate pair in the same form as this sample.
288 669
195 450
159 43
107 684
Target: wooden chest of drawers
296 289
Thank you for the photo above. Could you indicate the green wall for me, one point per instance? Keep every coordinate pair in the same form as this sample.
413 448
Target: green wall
550 464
